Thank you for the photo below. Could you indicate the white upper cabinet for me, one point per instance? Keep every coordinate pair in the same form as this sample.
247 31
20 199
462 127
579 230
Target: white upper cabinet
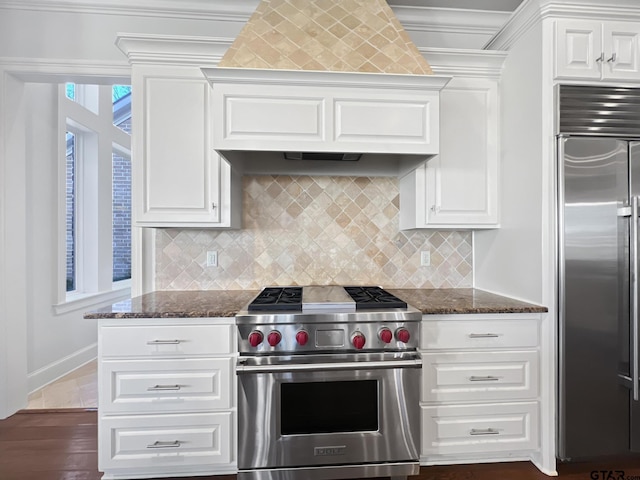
590 50
179 179
458 187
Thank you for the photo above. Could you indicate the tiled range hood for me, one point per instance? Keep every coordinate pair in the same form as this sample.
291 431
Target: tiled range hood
323 77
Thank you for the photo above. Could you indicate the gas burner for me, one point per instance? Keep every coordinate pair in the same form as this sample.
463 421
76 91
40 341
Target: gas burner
277 298
327 319
374 297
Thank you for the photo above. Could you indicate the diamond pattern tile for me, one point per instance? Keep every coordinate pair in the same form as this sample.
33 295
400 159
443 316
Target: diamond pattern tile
327 35
314 230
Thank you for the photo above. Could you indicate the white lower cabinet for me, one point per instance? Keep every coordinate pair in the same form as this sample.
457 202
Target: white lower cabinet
166 445
479 428
480 396
166 404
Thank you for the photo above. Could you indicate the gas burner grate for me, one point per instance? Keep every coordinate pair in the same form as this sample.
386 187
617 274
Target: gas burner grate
374 297
277 298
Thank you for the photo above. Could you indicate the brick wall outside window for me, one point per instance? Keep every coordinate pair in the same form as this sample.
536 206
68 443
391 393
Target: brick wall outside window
70 210
122 213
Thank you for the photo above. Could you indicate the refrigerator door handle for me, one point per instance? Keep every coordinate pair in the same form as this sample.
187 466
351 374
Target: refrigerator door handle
633 224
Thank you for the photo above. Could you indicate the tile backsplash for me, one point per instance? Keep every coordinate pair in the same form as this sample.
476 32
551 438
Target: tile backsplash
305 230
334 35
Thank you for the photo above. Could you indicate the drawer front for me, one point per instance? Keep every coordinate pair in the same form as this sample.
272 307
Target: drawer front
165 441
508 333
479 376
165 340
176 385
462 429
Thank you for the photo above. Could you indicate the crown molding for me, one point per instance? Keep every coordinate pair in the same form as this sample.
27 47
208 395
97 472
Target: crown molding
419 19
64 70
172 49
464 62
451 20
531 12
220 10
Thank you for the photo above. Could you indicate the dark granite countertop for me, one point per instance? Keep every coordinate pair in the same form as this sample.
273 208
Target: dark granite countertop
179 303
226 303
462 300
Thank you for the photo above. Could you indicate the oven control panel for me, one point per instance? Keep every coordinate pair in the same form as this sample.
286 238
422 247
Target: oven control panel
396 336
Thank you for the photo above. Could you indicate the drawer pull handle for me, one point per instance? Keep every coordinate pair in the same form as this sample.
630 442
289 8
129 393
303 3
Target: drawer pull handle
164 342
159 444
484 335
485 378
164 387
484 431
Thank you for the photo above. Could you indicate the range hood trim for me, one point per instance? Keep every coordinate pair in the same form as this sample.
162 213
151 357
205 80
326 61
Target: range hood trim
330 79
324 111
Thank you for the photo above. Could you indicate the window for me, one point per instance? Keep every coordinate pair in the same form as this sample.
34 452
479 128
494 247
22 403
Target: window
95 188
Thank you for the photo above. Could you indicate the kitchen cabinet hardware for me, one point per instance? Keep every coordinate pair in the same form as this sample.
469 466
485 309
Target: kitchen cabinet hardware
635 303
600 58
484 335
213 205
164 387
159 444
484 378
164 342
612 58
484 431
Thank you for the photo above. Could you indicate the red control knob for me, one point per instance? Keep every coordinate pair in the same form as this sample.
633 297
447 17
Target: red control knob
403 335
255 338
385 335
274 338
302 337
358 340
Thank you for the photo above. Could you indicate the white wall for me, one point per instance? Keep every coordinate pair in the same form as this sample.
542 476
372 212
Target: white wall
56 343
67 35
13 276
510 260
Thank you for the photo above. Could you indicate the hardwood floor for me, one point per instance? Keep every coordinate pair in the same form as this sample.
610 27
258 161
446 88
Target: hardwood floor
62 445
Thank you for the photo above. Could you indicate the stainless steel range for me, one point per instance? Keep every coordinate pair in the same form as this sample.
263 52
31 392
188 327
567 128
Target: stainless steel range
328 385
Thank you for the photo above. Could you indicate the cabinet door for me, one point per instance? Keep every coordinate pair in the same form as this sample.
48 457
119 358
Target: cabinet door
454 376
157 445
479 428
461 182
579 51
176 173
621 46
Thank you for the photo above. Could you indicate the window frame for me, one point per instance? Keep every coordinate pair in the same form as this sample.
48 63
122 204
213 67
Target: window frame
96 140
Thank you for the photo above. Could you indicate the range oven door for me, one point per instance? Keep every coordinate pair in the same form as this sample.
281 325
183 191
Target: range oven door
322 410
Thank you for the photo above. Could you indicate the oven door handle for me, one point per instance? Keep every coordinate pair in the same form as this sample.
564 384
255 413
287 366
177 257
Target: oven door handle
315 367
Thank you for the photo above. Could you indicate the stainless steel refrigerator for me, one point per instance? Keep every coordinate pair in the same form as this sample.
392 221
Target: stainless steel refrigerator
599 400
598 271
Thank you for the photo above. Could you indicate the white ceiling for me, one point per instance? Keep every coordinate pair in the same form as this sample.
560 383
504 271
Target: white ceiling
495 5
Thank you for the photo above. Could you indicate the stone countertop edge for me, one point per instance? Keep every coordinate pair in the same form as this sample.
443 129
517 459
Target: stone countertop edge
226 303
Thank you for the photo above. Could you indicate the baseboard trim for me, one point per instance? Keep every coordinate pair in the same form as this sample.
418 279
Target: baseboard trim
52 372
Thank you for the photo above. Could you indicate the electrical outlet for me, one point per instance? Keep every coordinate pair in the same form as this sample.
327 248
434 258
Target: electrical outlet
425 258
212 258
